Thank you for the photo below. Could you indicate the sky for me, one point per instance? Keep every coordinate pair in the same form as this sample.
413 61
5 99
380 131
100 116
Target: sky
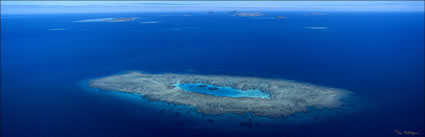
51 7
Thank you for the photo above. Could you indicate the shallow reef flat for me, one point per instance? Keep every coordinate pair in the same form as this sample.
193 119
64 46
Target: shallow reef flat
122 19
318 28
249 14
285 97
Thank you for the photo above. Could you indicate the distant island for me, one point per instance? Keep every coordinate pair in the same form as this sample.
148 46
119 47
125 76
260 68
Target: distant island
216 95
108 20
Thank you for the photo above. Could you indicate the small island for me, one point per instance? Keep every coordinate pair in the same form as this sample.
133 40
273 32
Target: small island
216 95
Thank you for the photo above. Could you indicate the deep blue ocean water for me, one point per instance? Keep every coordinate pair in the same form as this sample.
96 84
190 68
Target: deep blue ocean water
377 55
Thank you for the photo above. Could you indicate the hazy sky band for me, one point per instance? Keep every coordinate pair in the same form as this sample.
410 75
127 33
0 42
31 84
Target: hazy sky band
34 7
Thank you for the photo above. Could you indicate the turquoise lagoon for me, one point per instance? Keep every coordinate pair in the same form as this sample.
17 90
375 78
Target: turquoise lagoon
223 91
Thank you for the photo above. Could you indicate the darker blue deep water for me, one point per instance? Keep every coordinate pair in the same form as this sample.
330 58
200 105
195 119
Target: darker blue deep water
378 56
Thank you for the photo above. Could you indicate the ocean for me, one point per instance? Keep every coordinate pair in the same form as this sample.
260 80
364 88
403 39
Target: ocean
47 59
